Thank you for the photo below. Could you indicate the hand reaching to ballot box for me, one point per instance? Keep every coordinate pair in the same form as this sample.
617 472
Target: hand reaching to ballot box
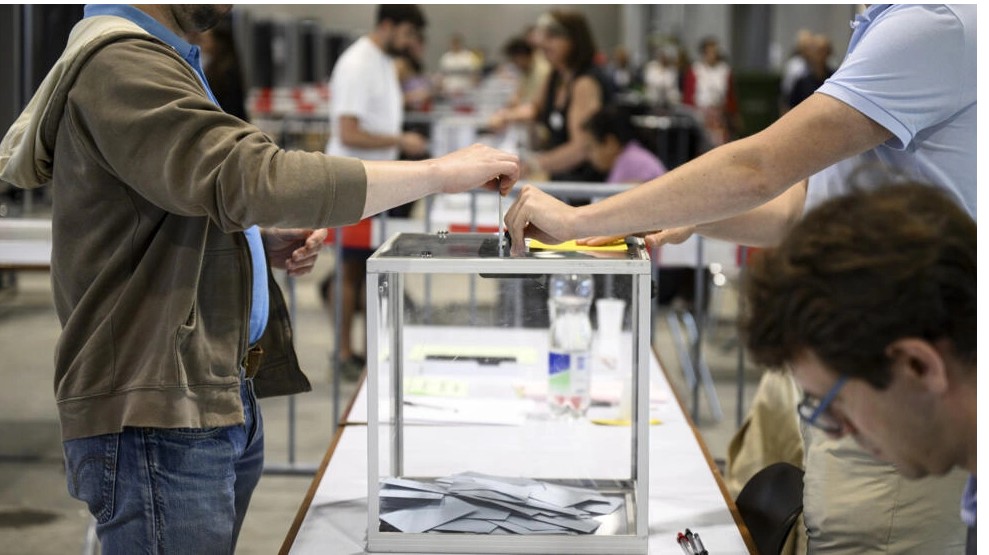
478 165
391 183
540 216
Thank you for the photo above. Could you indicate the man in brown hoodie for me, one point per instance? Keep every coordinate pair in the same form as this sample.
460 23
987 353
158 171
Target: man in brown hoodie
166 217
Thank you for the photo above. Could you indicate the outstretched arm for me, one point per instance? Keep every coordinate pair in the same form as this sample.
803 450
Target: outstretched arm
723 183
391 184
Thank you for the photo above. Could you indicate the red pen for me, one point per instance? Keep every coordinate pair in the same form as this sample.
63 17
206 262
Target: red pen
684 544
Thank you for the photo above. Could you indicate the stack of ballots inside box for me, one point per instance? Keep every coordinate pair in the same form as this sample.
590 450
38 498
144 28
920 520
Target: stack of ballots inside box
483 504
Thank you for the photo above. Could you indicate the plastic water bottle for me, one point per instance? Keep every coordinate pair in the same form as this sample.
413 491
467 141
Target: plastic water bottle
569 388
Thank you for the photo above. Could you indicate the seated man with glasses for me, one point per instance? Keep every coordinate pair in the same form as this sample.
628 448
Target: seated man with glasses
871 304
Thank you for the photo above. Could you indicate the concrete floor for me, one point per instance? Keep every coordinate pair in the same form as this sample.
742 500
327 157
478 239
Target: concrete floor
38 517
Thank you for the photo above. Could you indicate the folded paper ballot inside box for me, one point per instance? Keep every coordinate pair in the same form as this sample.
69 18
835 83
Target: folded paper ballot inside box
483 504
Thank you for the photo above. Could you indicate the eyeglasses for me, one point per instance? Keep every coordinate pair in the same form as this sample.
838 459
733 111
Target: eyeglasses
815 411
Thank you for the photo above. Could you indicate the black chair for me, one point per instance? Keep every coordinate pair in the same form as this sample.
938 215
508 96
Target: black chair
770 503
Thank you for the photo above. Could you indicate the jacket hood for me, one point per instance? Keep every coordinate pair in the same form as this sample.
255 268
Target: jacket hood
27 149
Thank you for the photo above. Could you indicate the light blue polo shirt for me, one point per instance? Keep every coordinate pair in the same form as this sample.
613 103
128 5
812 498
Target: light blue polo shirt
190 53
912 69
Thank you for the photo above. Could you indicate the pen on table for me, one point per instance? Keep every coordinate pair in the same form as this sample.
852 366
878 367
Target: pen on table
428 406
682 540
700 545
621 421
690 538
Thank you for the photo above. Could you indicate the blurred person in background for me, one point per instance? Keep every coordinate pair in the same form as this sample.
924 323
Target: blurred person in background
709 87
222 66
366 113
574 90
661 78
417 90
614 150
532 70
622 72
818 52
795 67
460 68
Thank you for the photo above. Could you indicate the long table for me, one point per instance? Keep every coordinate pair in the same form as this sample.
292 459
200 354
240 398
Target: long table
686 490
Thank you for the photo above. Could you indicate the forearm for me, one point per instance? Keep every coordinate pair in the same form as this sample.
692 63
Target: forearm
562 158
358 138
391 184
716 186
518 112
763 226
740 175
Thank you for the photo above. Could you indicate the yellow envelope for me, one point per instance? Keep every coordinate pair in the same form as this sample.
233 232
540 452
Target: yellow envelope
617 246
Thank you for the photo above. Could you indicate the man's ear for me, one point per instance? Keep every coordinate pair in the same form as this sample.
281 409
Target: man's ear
919 360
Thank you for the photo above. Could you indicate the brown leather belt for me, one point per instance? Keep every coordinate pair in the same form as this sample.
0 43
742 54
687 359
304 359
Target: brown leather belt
252 361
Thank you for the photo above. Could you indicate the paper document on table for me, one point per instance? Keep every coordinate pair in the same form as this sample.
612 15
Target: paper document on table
430 386
463 410
604 390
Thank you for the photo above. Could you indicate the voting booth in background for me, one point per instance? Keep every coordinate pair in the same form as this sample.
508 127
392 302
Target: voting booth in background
512 476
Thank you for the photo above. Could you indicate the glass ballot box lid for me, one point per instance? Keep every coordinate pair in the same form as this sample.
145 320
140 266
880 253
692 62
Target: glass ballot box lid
504 411
480 252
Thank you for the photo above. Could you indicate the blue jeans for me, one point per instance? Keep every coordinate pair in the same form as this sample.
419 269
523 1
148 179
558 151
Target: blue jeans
163 491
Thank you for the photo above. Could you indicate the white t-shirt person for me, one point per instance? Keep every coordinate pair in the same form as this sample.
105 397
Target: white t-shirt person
365 85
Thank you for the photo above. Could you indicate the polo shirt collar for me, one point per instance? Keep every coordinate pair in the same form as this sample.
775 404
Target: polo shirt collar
869 14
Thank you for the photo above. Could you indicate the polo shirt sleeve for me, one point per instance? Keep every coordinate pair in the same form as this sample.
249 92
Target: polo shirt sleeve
912 68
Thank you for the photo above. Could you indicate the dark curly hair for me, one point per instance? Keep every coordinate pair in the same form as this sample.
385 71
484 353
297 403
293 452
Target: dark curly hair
611 120
401 13
860 272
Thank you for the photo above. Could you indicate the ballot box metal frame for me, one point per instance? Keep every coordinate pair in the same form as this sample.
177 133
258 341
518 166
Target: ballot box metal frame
431 253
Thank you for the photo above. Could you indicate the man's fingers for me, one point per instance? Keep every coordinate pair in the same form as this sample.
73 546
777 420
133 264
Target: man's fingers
300 271
297 262
301 255
316 238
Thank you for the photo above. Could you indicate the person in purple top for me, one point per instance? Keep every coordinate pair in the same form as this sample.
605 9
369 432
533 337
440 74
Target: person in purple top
613 149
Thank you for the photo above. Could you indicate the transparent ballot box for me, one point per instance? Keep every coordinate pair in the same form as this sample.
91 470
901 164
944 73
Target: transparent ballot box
507 397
